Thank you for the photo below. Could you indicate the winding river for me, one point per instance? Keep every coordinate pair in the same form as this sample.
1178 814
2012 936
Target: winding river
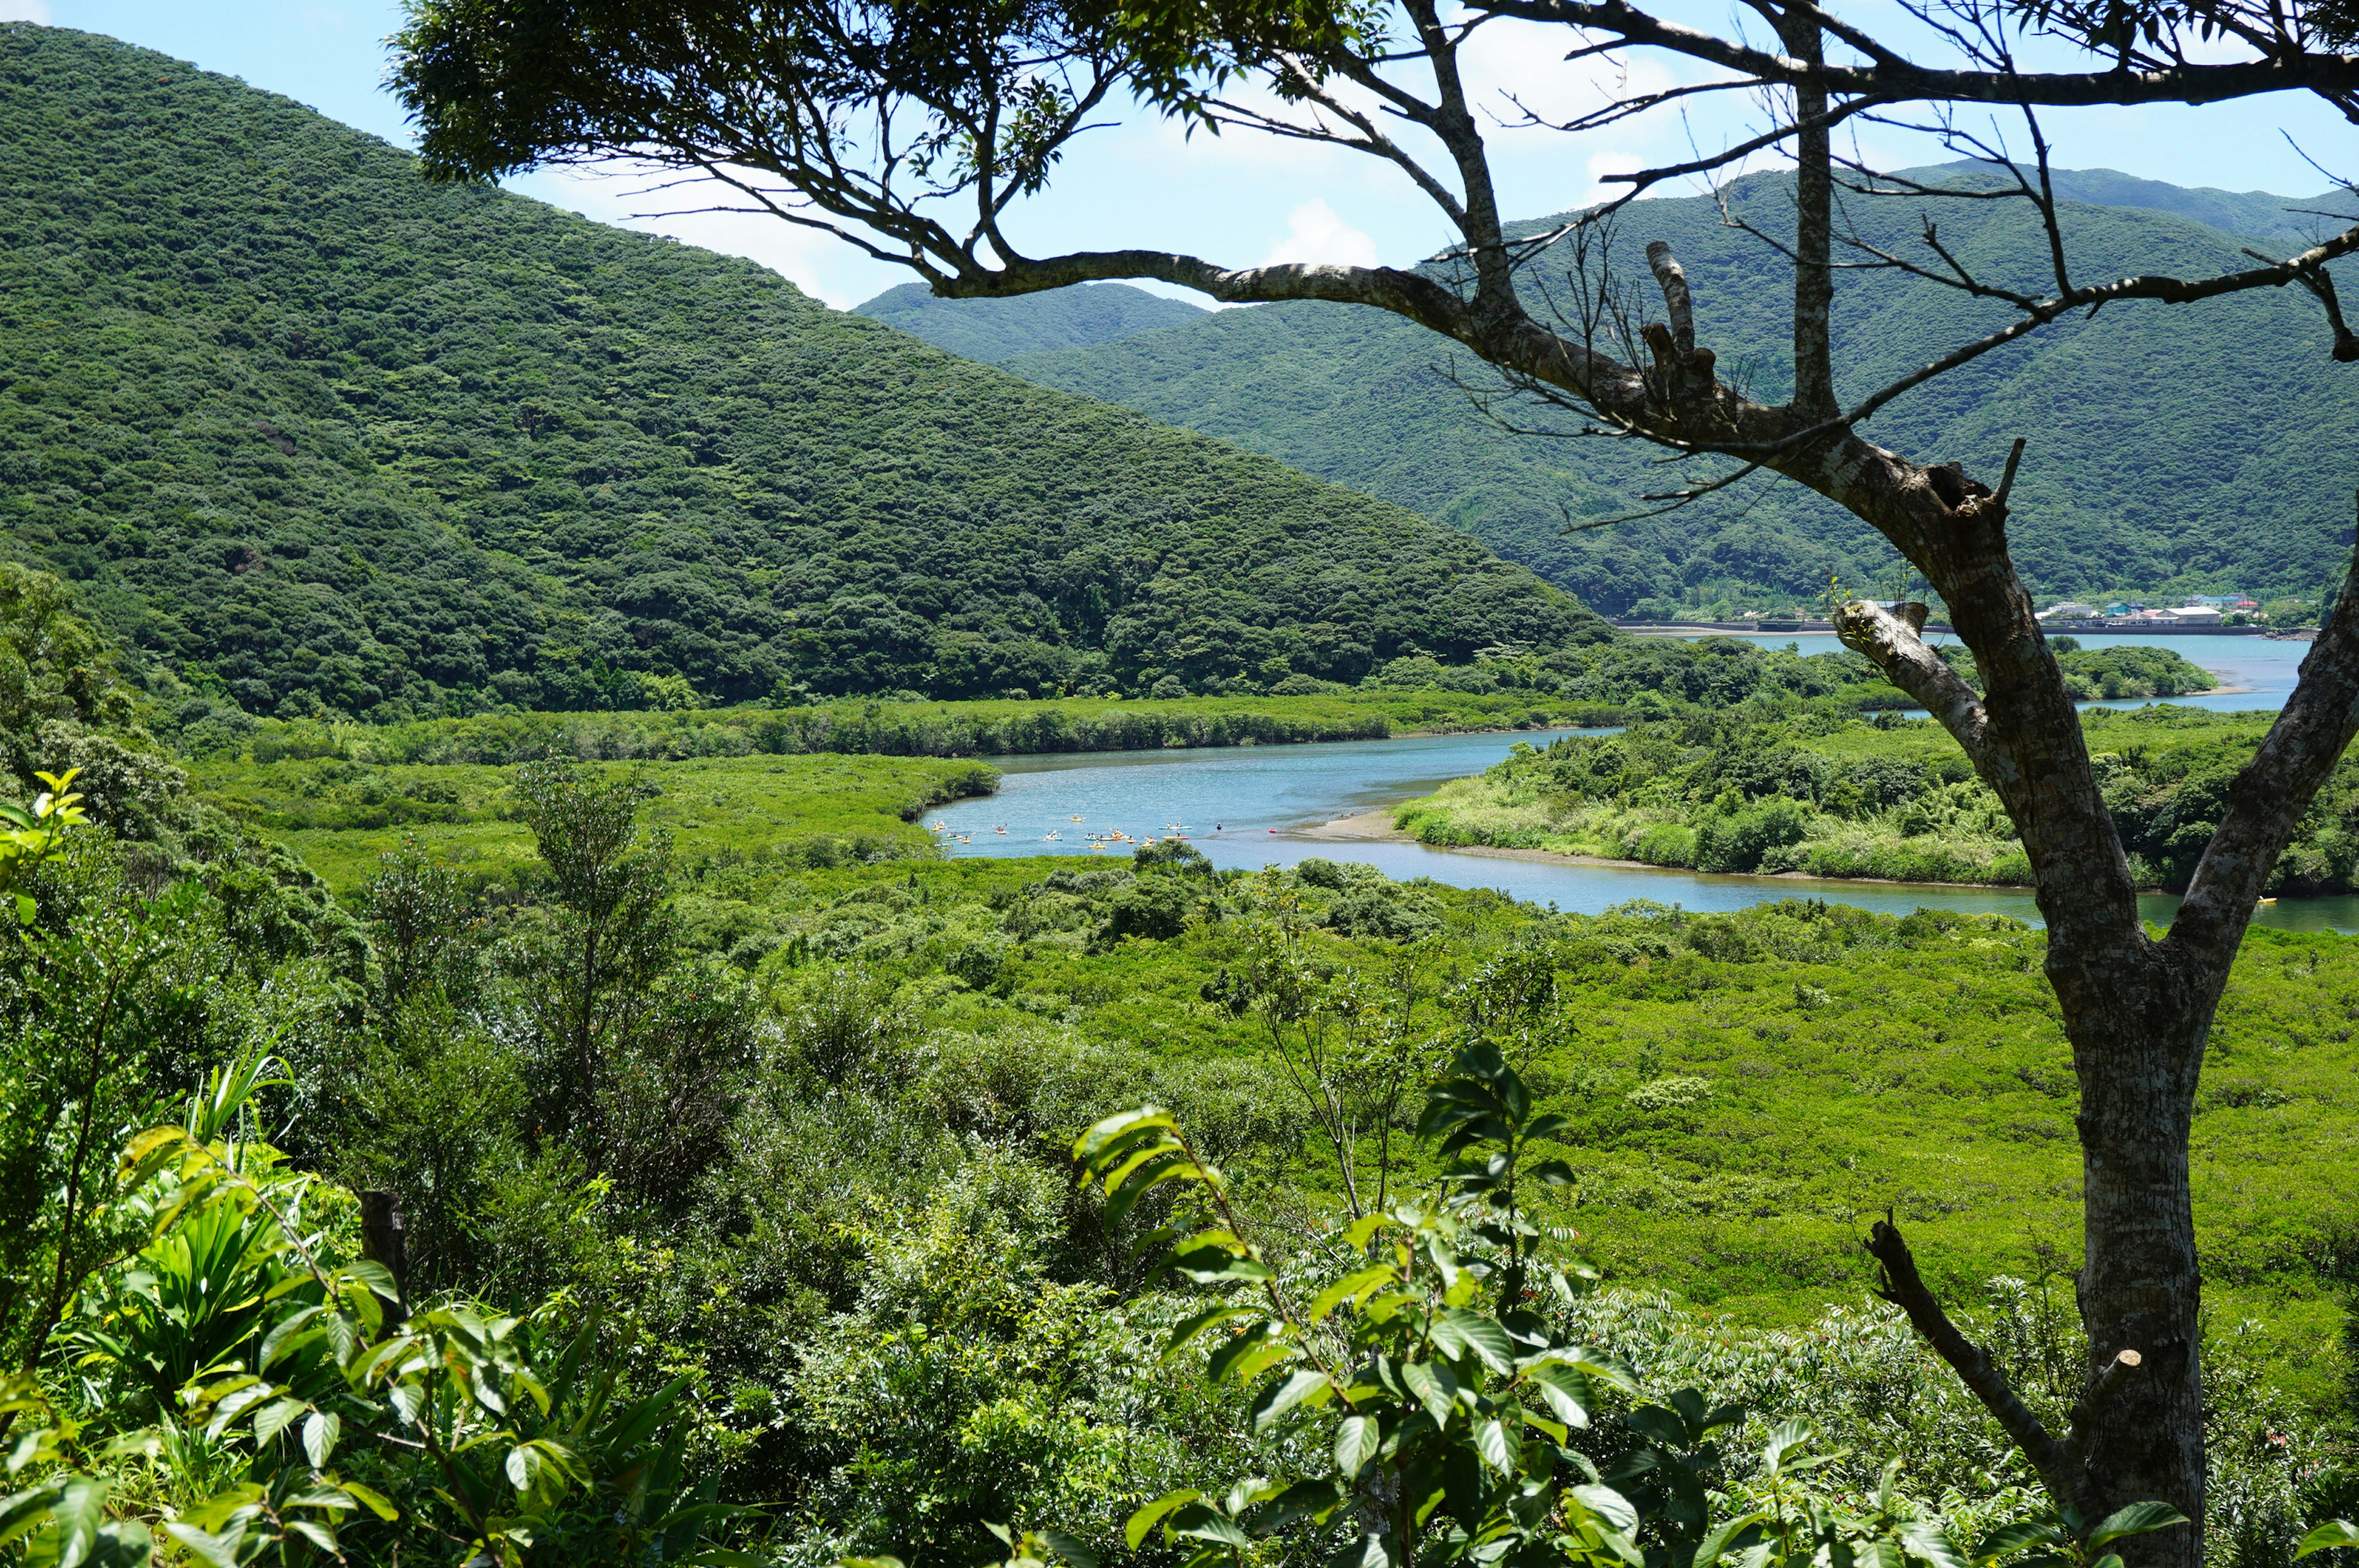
1257 805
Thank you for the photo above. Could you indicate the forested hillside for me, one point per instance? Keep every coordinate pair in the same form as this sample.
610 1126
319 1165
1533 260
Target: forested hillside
313 433
2170 445
995 329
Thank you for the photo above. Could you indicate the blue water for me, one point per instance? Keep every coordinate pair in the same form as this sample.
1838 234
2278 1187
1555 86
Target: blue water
1249 806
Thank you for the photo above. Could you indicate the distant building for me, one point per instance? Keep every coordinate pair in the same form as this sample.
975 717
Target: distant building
2068 611
2201 614
2227 601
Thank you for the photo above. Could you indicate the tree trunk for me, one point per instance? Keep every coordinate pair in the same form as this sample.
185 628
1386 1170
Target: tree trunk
2137 1022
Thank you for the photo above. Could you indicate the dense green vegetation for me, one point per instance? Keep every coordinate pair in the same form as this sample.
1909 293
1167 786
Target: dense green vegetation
310 433
778 1207
1594 684
722 1112
2146 469
1817 794
993 330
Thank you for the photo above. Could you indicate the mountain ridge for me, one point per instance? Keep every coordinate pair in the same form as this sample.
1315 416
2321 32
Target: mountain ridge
2130 484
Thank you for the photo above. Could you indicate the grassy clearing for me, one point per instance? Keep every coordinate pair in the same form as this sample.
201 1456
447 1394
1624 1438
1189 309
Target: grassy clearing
340 815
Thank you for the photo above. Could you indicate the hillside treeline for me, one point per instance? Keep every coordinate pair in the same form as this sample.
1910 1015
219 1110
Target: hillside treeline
317 436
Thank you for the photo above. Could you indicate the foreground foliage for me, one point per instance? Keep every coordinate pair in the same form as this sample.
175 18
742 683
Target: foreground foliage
758 1169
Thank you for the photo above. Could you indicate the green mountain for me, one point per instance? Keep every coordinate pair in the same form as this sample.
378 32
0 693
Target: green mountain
2170 445
995 329
309 432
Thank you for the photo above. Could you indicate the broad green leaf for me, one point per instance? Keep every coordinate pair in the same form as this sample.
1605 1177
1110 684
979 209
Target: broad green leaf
27 1511
1153 1513
1070 1547
2010 1539
1225 1362
372 1501
1565 1390
1496 1449
1435 1389
273 1419
1785 1439
1610 1506
1202 1521
80 1511
1928 1543
320 1434
319 1535
2135 1520
219 1551
1356 1442
1367 1551
282 1337
1723 1537
1485 1338
1350 1288
1304 1499
2334 1532
1279 1397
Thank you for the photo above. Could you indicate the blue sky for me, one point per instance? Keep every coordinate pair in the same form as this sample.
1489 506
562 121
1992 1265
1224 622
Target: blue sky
1242 200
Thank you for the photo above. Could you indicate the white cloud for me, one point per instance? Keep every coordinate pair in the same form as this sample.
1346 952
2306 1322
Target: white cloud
822 268
25 11
1314 233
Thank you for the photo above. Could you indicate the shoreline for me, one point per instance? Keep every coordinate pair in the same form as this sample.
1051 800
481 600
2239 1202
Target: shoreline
1374 825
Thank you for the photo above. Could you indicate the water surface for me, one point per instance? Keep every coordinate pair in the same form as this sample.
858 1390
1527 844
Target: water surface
1249 806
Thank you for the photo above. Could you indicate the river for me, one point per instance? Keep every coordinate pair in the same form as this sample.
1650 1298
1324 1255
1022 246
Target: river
1251 807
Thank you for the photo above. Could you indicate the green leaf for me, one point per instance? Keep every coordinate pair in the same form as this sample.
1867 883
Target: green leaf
1928 1543
27 910
1367 1551
1485 1338
1566 1391
1435 1389
319 1535
2010 1539
320 1434
2135 1520
1350 1288
1189 1329
1356 1442
1609 1506
1148 1517
2334 1532
218 1550
80 1512
1279 1397
372 1501
1497 1451
1723 1536
273 1419
24 1511
1202 1521
1070 1547
1785 1439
